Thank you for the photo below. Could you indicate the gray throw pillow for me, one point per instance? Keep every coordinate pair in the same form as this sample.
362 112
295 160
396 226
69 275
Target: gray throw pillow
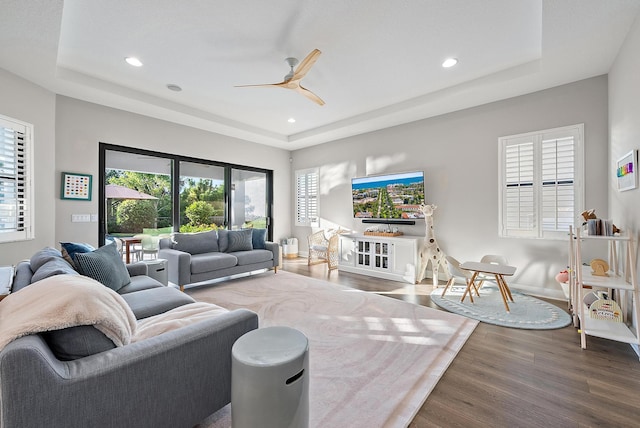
105 265
195 243
258 238
223 240
240 240
77 342
55 266
43 256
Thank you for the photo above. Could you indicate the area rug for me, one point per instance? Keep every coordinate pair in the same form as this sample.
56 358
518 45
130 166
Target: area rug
525 311
373 359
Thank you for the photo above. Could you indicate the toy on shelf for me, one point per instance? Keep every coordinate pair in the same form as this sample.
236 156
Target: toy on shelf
600 267
606 310
563 277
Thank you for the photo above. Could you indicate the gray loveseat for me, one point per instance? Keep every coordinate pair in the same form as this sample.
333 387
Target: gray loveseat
172 380
203 256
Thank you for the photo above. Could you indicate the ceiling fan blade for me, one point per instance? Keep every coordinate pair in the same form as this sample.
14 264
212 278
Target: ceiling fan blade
306 65
307 93
263 84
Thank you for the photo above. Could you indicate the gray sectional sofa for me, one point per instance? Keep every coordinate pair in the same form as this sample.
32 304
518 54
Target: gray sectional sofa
204 256
173 380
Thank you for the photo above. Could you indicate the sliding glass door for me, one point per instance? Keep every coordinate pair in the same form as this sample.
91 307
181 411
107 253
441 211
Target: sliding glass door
140 189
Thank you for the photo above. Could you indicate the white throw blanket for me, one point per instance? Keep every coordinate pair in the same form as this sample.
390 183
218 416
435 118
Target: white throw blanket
176 318
63 301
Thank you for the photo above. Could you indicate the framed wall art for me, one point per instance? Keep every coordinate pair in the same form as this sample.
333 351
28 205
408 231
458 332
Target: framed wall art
75 186
627 171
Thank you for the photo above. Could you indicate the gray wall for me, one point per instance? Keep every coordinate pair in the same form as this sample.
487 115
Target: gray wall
624 130
27 102
80 126
459 154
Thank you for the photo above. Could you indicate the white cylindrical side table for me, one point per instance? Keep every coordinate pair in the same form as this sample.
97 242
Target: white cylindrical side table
270 379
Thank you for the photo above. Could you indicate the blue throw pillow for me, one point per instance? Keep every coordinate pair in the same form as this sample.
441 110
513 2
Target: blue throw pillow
239 240
258 237
70 249
105 265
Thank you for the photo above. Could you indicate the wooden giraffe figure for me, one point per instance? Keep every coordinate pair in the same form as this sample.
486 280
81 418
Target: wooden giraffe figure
430 251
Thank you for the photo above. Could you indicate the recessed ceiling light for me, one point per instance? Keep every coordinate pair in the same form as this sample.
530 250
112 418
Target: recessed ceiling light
291 120
449 62
131 60
173 87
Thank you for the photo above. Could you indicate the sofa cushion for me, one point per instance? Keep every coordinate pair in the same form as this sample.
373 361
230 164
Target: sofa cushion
140 282
212 261
55 266
195 243
77 342
258 238
70 249
154 301
239 240
254 256
104 265
43 256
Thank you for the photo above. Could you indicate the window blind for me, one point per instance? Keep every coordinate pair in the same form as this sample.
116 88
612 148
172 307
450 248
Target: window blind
540 172
16 211
307 192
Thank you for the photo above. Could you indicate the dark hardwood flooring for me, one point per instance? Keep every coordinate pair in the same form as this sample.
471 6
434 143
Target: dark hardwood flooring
504 377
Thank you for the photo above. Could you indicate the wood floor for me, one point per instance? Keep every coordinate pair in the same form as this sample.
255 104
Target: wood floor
506 377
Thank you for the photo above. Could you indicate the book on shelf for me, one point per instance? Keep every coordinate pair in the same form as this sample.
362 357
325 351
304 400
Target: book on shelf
600 227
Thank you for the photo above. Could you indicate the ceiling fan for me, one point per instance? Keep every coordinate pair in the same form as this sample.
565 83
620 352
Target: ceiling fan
293 78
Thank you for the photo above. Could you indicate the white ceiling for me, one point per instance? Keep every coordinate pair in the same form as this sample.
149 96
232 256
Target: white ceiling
380 64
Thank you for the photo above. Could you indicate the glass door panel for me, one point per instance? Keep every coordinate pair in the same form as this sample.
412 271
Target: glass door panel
202 197
248 199
137 193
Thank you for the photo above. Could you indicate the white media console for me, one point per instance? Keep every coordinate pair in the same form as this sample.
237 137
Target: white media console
388 257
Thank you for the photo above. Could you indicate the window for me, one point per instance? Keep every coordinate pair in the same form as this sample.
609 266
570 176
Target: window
541 176
307 195
16 196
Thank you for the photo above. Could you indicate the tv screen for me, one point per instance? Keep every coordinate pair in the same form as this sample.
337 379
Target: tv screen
388 196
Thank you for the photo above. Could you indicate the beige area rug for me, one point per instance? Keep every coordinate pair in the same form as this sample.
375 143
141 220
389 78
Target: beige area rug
373 359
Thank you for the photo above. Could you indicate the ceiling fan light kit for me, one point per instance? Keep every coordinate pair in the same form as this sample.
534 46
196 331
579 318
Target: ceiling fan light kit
293 78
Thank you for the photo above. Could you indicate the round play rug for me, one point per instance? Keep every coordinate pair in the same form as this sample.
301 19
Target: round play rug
526 312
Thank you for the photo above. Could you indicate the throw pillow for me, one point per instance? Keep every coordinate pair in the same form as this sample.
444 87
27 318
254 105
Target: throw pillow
258 238
57 266
43 256
105 265
223 240
195 243
77 342
70 249
239 240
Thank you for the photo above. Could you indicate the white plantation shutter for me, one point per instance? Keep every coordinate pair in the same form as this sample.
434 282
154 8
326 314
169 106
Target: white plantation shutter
16 203
307 197
540 179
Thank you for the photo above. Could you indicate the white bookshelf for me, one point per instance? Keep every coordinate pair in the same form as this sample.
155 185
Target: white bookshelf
620 283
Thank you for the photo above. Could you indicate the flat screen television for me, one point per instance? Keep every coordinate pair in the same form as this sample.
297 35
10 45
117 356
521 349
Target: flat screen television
388 196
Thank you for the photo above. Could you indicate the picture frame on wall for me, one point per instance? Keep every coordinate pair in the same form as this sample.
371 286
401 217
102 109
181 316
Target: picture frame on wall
75 186
627 171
